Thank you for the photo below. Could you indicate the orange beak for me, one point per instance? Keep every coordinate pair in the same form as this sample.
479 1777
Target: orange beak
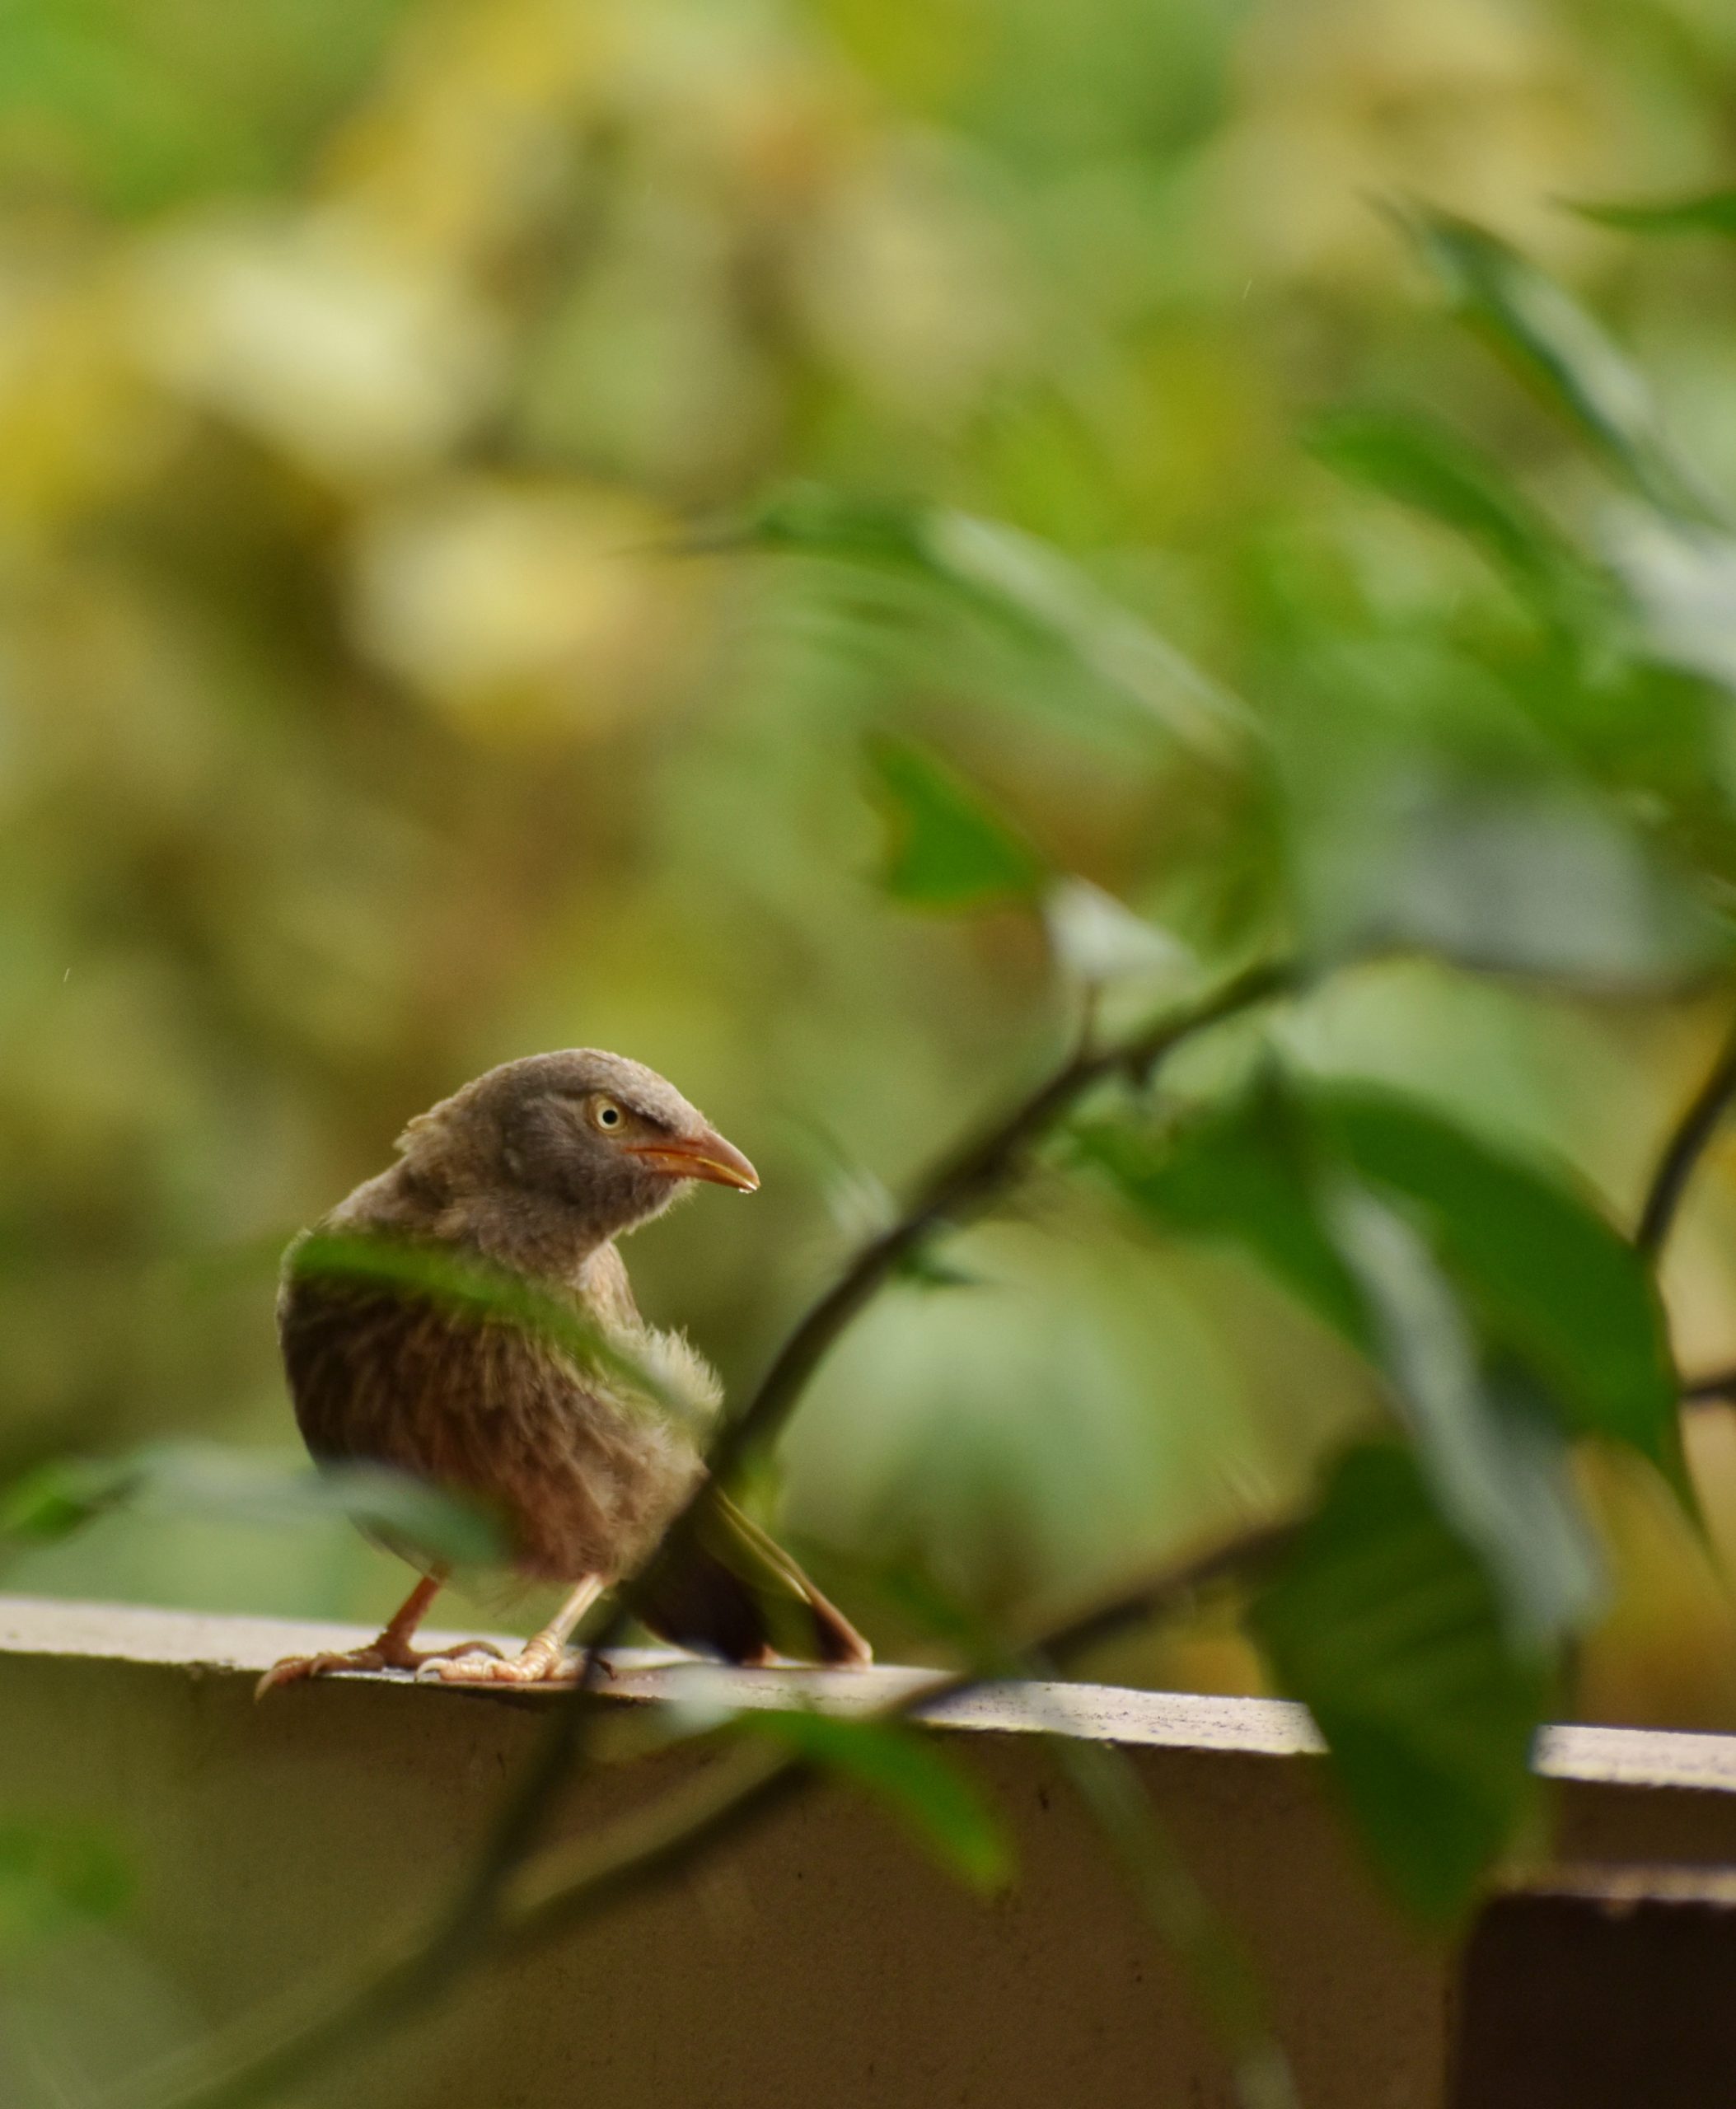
703 1156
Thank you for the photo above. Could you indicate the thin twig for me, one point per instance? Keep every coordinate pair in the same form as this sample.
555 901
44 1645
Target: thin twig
1687 1143
1168 1592
1718 1389
963 1185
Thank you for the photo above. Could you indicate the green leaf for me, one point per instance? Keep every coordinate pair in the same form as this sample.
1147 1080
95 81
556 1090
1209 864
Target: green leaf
1710 211
1029 581
1496 1466
1554 1289
61 1495
1563 352
1426 465
1504 877
201 1479
1385 1625
1017 582
947 848
1243 1174
1552 1281
905 1770
56 1873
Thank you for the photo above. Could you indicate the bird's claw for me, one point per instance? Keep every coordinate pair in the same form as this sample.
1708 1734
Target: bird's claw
535 1664
293 1669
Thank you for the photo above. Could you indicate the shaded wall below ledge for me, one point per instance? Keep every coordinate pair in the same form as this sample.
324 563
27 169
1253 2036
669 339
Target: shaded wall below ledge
817 1959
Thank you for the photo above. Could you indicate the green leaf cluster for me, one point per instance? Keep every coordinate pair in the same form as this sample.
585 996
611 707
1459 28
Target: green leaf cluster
1422 1610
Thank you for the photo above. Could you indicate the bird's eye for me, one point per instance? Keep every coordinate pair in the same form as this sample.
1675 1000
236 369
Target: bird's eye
607 1114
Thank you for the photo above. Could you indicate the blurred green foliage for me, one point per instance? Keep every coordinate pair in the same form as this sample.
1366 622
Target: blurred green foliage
55 1872
1394 1631
486 486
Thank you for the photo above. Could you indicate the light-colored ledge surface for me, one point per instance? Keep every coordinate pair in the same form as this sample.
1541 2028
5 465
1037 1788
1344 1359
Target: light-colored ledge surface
812 1957
1263 1727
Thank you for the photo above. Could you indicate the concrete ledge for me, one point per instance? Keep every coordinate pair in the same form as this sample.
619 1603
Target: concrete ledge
1268 1728
819 1960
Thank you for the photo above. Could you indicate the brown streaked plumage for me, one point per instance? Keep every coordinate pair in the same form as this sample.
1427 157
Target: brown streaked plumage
533 1170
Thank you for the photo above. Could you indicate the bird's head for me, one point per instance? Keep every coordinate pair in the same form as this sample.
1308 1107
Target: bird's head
604 1141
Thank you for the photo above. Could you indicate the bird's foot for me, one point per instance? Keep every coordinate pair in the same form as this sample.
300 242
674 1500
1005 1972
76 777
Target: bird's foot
540 1661
385 1654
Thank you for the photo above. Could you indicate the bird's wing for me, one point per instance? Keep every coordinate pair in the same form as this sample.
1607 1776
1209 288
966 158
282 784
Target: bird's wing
738 1592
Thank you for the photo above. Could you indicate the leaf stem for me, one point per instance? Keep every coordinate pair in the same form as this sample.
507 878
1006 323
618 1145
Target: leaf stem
1687 1144
965 1183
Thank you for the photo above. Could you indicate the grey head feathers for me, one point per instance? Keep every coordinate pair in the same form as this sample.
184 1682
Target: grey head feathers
558 1153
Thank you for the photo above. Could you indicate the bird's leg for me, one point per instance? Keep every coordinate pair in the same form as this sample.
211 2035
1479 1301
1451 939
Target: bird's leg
542 1659
391 1651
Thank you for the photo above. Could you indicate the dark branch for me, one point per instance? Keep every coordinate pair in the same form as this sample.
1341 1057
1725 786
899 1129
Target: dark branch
960 1189
1687 1145
1168 1592
1710 1391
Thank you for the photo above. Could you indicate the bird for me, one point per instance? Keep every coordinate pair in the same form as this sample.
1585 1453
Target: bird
527 1176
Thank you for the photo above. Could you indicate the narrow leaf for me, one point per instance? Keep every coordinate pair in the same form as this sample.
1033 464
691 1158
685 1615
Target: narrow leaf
1426 465
1019 583
1682 579
928 1794
1564 352
211 1480
1710 211
1385 1625
1224 1980
1033 583
947 848
925 1268
490 1295
61 1495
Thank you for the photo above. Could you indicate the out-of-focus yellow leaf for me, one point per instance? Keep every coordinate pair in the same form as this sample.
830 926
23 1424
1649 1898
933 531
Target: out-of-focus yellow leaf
359 361
517 608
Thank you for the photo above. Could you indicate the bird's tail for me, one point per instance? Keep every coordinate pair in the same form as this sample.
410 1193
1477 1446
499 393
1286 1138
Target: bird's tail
735 1591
